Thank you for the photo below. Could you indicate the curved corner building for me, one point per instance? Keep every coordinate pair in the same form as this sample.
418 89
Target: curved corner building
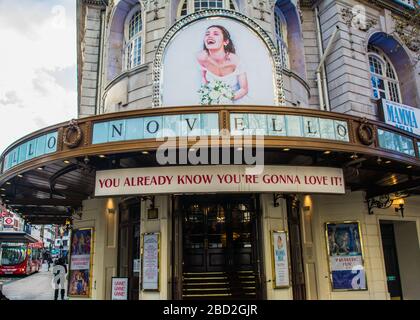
235 149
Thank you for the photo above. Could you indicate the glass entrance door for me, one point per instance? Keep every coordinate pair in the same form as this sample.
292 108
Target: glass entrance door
218 236
219 246
129 246
391 261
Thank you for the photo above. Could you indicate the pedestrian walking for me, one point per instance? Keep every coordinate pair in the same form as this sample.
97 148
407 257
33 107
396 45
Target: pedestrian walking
49 260
2 296
59 272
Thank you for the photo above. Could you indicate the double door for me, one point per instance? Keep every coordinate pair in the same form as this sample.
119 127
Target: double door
218 234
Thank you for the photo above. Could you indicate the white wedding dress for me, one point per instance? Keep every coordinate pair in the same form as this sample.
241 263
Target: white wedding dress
232 80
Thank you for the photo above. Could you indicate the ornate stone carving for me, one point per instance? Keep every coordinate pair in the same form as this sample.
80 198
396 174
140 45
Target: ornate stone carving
408 30
355 18
72 135
110 8
365 132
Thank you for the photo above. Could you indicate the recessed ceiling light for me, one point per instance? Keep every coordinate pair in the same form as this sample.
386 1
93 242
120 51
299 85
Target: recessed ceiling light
3 195
145 152
286 149
2 189
40 168
388 161
102 156
327 152
409 167
20 175
66 161
8 182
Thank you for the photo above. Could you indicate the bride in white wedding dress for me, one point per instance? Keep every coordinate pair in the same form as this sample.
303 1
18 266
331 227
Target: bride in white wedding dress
218 62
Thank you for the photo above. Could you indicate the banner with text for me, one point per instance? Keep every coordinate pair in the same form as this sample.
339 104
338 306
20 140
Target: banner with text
224 178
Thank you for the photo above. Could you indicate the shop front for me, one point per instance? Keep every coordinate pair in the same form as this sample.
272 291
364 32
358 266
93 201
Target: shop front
208 230
215 186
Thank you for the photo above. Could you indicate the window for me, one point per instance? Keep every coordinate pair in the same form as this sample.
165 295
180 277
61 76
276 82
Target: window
205 4
134 39
281 36
383 77
191 6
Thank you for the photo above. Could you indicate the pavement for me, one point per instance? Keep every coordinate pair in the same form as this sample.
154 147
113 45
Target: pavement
34 287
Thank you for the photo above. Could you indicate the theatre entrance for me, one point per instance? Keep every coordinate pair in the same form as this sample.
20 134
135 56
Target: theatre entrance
219 247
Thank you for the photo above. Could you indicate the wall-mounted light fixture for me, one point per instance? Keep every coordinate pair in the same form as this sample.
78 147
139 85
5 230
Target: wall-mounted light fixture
276 198
399 206
152 211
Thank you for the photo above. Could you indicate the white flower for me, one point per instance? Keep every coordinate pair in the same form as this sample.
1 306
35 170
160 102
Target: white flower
214 95
215 92
224 100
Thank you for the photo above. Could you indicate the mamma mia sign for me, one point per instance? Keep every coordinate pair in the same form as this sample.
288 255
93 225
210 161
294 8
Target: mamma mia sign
224 178
401 116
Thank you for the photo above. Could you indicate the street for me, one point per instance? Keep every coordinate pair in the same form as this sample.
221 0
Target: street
34 287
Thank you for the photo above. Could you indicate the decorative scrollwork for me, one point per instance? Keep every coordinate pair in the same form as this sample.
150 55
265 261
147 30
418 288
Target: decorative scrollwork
366 133
408 28
69 138
382 202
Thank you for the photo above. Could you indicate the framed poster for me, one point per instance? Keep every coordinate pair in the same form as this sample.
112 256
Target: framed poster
345 254
119 288
150 263
280 256
81 257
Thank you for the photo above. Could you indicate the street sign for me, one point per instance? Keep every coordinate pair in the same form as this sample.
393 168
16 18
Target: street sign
8 222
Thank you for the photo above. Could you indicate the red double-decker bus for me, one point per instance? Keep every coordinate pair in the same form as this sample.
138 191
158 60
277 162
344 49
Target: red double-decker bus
20 258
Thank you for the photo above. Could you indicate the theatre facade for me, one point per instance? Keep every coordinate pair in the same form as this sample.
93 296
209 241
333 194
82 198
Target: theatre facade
234 150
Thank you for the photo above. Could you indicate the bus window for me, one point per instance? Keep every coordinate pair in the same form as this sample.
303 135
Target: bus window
13 254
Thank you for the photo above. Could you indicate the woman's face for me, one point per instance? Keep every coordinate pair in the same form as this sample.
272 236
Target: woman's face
213 39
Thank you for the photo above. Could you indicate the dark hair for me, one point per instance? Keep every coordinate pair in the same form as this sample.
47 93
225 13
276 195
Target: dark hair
226 36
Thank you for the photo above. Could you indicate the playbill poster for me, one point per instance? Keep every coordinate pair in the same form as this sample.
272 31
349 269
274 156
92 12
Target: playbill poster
345 256
280 259
80 262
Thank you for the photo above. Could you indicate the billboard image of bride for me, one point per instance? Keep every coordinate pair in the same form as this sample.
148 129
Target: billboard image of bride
217 62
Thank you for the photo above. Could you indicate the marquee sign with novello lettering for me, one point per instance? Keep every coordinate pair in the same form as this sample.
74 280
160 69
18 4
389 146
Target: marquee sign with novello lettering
31 149
221 178
179 125
288 126
207 124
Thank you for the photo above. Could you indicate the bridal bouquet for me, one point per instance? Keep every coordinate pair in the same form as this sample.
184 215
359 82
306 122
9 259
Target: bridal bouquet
216 92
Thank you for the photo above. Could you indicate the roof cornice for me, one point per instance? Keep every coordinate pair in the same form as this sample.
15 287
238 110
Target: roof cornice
100 3
393 6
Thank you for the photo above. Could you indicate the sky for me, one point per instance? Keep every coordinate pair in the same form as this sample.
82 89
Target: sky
38 84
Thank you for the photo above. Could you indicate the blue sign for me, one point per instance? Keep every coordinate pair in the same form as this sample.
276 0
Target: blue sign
178 125
396 142
288 126
31 149
401 116
407 3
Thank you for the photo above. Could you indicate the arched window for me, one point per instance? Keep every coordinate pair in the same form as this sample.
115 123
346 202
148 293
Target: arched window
191 6
134 32
280 26
385 84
